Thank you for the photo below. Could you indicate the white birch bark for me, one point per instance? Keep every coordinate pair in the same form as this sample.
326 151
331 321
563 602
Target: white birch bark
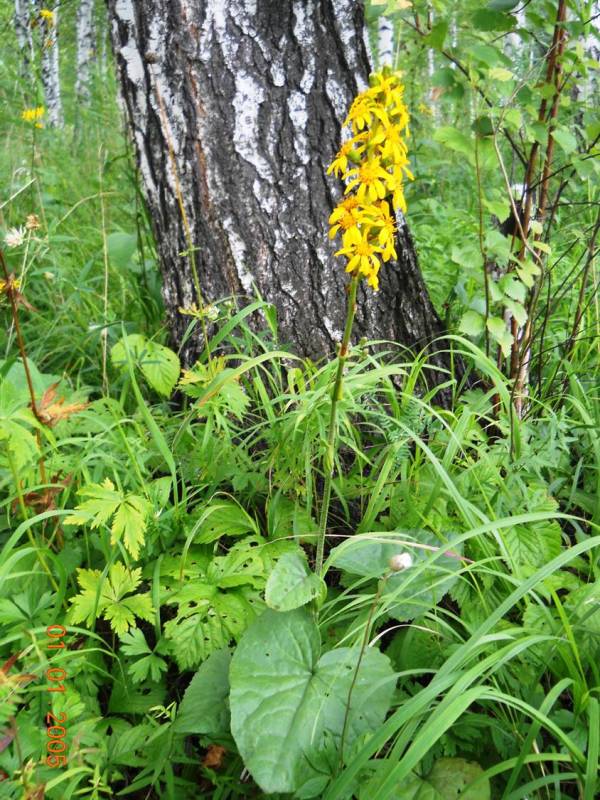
385 42
22 22
50 68
86 49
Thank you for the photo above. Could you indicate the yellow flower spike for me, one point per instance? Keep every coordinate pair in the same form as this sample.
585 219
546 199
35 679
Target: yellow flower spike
374 168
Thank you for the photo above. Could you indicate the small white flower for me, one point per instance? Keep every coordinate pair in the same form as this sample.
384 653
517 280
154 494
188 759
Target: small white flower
14 237
211 312
400 561
49 276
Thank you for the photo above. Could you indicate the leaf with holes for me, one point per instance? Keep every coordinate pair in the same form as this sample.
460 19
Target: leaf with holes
288 700
292 584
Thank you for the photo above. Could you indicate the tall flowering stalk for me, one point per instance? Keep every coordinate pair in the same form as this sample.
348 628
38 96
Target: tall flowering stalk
373 163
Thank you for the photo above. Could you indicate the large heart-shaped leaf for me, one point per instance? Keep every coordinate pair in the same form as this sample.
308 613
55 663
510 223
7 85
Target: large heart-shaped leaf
292 584
413 591
288 703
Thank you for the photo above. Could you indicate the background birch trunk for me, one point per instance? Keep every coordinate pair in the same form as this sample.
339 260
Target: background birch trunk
50 69
22 22
86 49
236 111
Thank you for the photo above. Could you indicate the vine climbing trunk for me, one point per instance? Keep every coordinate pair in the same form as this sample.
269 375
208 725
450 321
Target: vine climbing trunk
236 109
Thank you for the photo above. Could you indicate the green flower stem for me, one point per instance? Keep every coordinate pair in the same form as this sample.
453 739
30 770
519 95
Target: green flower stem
336 396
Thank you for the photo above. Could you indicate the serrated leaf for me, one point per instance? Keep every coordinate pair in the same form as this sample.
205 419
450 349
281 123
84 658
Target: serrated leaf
288 703
512 287
110 597
101 503
207 623
130 523
292 584
471 323
517 310
130 512
500 333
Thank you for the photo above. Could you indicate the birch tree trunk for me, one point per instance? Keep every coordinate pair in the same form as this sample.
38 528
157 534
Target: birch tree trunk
86 49
236 110
22 22
50 65
385 41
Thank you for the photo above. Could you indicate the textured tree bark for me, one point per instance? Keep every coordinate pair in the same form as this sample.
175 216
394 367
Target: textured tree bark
22 22
236 109
86 49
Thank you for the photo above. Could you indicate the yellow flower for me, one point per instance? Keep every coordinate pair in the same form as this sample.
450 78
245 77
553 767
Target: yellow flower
370 178
362 254
425 109
386 236
33 115
388 86
47 15
339 165
344 220
362 111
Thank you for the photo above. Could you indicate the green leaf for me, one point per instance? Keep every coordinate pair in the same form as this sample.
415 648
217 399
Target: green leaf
205 705
130 511
500 333
535 543
292 584
223 518
488 19
500 74
503 5
101 503
436 36
207 620
517 310
110 597
527 270
513 287
121 248
417 588
454 140
134 643
565 139
451 778
499 208
471 323
288 703
159 365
